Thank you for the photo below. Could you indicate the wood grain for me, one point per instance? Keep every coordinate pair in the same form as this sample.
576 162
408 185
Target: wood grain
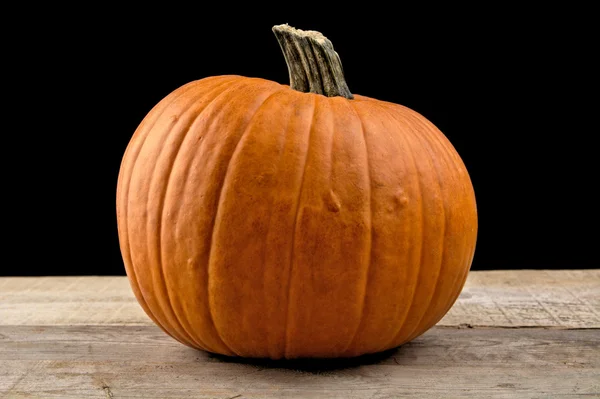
519 298
511 334
142 362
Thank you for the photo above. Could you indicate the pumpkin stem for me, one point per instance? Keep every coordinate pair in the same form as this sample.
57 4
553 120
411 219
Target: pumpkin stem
313 64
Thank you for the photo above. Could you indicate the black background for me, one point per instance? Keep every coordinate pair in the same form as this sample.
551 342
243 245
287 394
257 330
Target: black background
514 90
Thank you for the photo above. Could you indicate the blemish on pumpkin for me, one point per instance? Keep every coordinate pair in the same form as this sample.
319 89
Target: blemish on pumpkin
263 179
174 118
398 201
332 202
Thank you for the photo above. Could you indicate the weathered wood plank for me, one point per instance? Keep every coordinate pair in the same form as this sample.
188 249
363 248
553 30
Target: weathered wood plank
142 362
529 298
517 298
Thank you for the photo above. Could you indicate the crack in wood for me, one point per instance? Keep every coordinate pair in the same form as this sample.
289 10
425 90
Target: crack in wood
107 391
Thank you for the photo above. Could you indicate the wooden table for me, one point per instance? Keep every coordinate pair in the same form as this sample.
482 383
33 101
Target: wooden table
511 334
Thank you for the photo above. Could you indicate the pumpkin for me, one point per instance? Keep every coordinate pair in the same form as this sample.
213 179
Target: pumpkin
263 220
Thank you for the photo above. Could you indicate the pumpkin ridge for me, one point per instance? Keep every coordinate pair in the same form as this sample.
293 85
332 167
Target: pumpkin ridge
402 224
293 240
270 348
364 298
458 165
451 155
161 311
233 84
427 130
435 167
165 308
127 181
418 273
277 351
217 214
204 322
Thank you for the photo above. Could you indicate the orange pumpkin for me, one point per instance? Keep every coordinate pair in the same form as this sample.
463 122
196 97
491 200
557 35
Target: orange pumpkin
263 220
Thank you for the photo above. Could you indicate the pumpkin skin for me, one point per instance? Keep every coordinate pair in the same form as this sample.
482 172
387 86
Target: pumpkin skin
259 221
